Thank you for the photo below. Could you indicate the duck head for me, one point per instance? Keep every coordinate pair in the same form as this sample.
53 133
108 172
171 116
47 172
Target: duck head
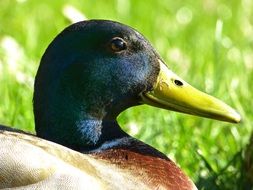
93 70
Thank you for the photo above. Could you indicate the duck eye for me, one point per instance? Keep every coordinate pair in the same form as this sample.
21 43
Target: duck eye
118 44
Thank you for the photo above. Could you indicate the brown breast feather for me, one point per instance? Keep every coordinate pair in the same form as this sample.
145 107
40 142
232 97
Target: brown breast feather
147 165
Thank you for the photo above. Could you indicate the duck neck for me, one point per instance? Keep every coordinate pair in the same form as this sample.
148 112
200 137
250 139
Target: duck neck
96 132
84 133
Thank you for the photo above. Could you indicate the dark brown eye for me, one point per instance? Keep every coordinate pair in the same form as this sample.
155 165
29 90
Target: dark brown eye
118 44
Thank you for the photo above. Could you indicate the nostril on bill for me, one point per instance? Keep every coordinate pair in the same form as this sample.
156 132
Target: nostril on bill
178 82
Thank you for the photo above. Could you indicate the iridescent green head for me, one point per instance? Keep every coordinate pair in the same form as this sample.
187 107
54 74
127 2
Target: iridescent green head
94 70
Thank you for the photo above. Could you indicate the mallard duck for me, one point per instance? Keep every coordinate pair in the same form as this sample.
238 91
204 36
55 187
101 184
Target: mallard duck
91 72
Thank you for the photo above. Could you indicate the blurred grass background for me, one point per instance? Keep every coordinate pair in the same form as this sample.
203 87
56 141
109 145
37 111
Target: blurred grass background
209 43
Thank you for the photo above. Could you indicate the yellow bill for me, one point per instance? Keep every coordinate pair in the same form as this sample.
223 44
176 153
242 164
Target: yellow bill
172 93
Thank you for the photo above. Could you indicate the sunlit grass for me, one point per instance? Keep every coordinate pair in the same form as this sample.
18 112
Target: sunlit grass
208 43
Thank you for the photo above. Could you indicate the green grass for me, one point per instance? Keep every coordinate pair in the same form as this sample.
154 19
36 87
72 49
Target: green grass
208 43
